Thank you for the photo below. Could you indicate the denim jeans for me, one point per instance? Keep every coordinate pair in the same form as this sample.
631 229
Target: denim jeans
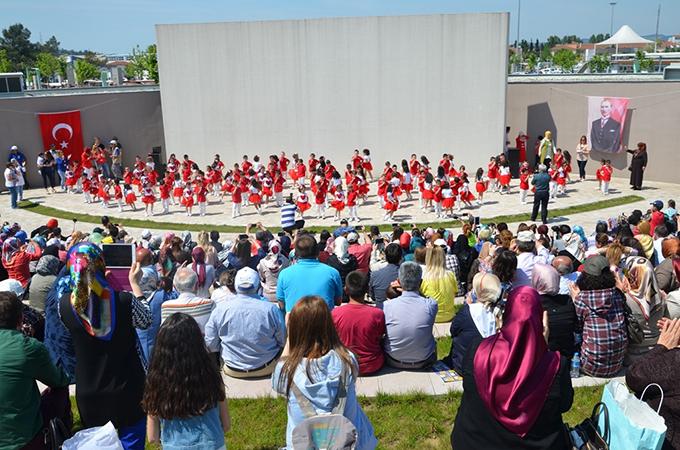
582 168
20 192
13 196
106 170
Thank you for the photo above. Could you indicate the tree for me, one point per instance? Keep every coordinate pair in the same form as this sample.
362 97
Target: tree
51 46
48 64
532 62
553 41
143 63
598 63
545 53
646 64
20 50
566 59
85 70
5 64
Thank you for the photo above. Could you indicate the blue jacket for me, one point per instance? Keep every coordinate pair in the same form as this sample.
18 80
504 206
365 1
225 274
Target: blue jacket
463 334
322 392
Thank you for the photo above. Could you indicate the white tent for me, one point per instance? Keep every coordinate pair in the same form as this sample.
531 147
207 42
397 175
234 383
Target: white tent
625 36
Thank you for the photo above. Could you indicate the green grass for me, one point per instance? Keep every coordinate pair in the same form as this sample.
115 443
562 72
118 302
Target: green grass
141 223
400 421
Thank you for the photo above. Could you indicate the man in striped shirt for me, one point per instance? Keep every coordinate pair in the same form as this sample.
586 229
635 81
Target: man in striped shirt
185 283
288 222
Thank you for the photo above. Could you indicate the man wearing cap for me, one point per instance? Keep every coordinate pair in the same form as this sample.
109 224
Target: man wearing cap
247 330
362 252
529 252
541 182
45 230
17 155
344 228
657 217
116 158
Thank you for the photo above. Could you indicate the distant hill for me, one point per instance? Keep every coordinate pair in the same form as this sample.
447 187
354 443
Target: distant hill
663 37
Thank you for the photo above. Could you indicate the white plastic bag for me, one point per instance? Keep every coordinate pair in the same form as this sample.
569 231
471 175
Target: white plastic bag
97 438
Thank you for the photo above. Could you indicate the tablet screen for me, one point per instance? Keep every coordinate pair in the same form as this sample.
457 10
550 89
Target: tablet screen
118 255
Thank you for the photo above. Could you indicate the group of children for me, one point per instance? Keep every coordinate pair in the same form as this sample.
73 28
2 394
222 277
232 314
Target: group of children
317 183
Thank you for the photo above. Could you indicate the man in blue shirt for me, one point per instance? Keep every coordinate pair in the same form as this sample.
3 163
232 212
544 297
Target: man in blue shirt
542 183
247 330
15 153
308 277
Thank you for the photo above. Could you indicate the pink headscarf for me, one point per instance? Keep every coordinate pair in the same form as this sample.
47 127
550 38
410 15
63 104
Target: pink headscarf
198 266
513 369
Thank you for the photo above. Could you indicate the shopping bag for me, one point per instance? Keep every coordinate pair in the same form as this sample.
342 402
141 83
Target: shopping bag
97 438
633 424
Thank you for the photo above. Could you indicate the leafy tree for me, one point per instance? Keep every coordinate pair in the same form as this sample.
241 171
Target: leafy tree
85 70
5 64
51 46
143 61
646 64
553 41
545 53
532 61
537 46
16 41
571 38
566 59
598 63
48 64
524 45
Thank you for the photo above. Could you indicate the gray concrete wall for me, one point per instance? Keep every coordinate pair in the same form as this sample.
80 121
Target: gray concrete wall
397 85
134 116
653 118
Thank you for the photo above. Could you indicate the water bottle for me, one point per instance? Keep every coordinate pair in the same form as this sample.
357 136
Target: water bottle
575 366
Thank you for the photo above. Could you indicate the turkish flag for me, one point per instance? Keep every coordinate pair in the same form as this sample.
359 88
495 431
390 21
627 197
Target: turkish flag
63 130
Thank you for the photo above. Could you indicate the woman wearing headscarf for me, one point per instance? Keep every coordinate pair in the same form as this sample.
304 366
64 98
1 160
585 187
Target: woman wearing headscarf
269 269
342 261
638 164
646 306
17 257
665 272
645 239
546 149
466 256
45 275
514 388
439 284
560 308
109 372
205 272
476 320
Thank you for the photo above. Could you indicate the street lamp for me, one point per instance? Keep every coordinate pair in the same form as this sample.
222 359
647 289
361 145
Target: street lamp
611 23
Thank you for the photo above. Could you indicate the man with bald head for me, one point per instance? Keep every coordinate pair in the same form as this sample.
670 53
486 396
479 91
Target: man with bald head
565 267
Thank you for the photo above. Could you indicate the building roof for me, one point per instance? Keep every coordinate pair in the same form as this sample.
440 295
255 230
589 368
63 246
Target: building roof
625 36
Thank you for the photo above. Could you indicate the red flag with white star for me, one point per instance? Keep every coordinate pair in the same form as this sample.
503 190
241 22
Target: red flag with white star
63 130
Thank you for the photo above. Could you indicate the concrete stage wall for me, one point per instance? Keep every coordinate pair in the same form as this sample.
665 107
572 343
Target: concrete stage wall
396 85
653 118
132 115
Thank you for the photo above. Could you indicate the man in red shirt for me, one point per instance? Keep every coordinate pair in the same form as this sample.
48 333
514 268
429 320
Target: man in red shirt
362 252
361 327
657 217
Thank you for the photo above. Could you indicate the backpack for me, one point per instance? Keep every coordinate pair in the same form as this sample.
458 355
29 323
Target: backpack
325 431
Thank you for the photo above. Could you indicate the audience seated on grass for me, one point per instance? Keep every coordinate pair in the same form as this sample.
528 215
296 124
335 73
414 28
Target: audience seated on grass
314 367
247 330
361 327
476 320
188 302
184 395
514 388
409 319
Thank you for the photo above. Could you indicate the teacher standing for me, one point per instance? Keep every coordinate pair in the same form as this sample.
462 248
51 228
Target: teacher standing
582 153
638 165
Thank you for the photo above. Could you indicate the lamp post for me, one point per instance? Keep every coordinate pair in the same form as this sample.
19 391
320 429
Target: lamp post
611 22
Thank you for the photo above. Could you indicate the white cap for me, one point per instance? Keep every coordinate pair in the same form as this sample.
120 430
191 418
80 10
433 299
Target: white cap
440 243
525 236
146 234
14 147
11 285
246 279
113 141
352 237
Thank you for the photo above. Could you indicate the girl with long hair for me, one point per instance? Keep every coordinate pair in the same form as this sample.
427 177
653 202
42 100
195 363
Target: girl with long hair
184 396
315 363
439 284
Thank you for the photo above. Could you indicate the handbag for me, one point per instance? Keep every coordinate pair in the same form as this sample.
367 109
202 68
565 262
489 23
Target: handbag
634 424
587 435
56 434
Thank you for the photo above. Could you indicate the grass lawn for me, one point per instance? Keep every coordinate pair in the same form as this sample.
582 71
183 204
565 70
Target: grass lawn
400 421
141 223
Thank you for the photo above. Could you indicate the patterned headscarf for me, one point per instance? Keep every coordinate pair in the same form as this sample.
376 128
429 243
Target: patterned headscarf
644 290
10 248
92 299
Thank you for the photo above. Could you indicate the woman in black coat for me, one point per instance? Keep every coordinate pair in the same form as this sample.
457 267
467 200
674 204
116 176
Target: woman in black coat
638 165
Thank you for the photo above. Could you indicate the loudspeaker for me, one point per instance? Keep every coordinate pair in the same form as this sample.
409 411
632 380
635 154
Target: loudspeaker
513 161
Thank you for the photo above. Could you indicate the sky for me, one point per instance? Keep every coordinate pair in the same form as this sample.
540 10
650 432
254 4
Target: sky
118 26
